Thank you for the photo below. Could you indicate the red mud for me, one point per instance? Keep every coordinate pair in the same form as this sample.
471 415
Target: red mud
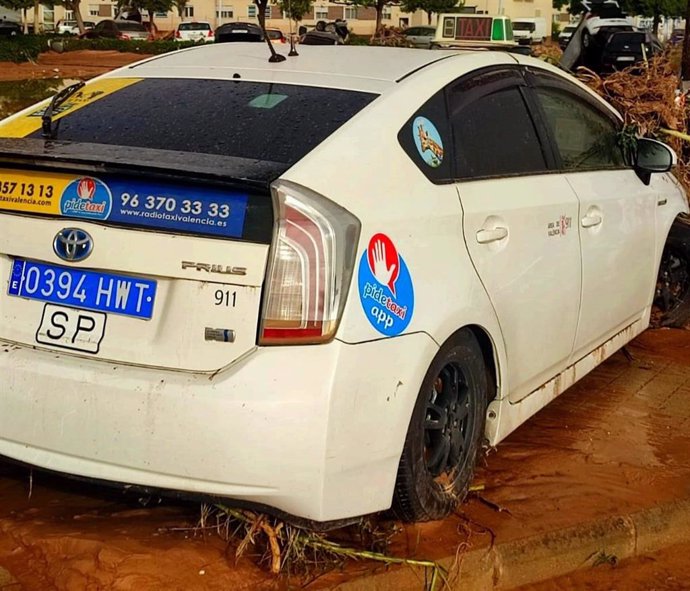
617 442
73 64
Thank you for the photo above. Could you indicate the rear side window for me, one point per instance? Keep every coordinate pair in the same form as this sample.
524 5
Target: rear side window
254 120
495 136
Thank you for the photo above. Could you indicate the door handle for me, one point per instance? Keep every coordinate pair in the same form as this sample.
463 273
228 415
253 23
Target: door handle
663 201
486 236
589 221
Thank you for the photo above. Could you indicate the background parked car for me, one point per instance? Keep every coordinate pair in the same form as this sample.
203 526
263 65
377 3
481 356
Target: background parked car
626 48
10 28
565 35
420 36
119 29
232 32
529 30
195 31
276 36
65 27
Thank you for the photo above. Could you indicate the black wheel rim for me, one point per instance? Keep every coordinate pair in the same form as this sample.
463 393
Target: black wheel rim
673 283
448 423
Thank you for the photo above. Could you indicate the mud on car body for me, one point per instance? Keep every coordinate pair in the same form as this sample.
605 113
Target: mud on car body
329 325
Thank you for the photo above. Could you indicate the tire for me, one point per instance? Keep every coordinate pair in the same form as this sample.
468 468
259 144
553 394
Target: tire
672 296
444 434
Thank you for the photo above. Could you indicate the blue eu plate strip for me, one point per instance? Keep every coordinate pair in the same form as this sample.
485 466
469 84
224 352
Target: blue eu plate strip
90 290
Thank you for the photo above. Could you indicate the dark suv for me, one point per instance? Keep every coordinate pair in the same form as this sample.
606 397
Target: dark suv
623 49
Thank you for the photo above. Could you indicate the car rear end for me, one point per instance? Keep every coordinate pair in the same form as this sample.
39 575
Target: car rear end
198 32
624 49
171 304
131 31
276 36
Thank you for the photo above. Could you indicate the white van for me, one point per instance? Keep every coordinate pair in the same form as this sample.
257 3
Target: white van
529 30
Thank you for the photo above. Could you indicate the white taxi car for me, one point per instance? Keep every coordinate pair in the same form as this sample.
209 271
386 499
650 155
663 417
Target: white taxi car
320 288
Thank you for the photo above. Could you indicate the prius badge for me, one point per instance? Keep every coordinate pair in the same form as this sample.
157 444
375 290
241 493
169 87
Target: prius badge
72 244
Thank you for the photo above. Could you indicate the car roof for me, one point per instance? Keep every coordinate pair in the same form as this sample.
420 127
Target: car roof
372 69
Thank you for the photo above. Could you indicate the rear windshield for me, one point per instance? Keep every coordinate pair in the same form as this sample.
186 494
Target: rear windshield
274 34
569 29
130 27
254 120
631 40
194 27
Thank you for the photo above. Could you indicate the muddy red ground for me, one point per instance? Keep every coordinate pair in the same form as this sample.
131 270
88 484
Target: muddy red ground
73 64
617 442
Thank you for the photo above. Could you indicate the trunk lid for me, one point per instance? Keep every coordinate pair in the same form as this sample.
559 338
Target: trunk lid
173 277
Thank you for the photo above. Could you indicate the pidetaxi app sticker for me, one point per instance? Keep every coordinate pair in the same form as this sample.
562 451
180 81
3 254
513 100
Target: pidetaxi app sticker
86 198
385 287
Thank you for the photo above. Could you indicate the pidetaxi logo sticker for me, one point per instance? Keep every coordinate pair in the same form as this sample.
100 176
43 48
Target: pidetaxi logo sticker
86 197
428 141
385 287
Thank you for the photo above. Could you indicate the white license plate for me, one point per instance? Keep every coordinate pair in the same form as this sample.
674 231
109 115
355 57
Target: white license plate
625 58
71 328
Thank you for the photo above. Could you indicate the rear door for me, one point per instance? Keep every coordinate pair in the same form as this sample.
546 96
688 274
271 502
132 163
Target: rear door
141 236
617 211
518 223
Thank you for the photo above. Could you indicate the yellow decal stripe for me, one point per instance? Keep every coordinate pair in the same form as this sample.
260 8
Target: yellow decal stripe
35 192
30 121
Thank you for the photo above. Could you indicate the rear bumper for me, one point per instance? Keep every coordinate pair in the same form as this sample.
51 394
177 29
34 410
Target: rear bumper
315 431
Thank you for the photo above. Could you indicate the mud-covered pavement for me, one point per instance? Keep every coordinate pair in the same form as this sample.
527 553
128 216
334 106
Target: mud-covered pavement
615 443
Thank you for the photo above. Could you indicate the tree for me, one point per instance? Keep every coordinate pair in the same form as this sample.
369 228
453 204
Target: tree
431 6
378 5
154 6
295 9
75 7
180 5
22 5
656 9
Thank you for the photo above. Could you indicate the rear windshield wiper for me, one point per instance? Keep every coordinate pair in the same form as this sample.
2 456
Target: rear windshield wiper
58 99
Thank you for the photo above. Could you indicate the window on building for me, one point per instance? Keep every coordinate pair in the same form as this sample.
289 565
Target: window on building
188 11
251 11
350 13
93 10
225 12
387 13
161 14
69 15
268 12
320 13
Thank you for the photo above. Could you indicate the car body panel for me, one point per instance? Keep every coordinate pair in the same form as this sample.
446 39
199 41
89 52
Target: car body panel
317 431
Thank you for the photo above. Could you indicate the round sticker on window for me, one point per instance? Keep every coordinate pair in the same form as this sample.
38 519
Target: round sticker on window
385 287
428 141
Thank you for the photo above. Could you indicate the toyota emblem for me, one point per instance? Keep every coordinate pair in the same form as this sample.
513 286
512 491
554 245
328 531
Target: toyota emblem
72 244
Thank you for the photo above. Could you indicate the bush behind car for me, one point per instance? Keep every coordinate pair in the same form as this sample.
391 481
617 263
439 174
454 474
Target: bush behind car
27 47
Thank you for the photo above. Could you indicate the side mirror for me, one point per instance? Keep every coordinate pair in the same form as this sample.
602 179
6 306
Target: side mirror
653 156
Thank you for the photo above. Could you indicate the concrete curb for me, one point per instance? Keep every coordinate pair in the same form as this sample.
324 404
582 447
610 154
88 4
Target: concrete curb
548 555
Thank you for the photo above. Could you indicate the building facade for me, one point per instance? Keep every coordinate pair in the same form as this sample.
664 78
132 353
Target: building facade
360 20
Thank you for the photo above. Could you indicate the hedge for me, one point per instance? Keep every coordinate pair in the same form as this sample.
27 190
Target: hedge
23 48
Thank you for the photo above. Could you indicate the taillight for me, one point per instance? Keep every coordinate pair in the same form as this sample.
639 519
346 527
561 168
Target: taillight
310 267
210 33
124 37
178 35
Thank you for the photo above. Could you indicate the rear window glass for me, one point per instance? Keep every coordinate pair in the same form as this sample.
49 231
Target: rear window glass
255 120
194 27
274 34
130 27
632 40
